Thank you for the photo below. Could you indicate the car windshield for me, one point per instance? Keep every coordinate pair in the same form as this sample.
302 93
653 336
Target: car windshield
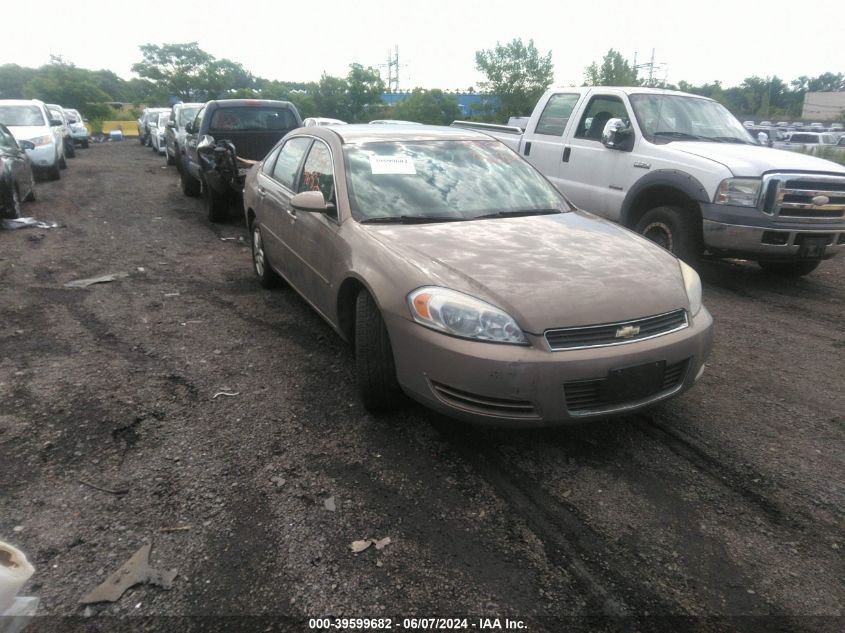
186 115
444 181
22 115
666 118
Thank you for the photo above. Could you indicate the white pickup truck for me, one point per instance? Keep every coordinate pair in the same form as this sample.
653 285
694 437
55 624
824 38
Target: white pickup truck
681 170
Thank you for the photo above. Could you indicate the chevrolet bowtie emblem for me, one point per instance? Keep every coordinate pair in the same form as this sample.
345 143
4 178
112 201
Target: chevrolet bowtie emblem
628 331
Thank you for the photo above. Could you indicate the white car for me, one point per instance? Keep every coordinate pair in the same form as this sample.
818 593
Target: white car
321 121
158 126
29 120
78 130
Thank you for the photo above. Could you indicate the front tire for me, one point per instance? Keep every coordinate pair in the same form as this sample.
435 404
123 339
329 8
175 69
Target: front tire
54 172
676 229
260 264
375 368
70 150
798 268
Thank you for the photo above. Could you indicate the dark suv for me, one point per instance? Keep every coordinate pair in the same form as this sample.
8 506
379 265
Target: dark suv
224 140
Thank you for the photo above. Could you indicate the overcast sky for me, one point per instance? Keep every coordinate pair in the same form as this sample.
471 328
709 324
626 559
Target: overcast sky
697 42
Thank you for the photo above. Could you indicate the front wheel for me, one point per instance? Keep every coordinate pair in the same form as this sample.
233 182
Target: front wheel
375 369
676 229
54 173
798 268
260 264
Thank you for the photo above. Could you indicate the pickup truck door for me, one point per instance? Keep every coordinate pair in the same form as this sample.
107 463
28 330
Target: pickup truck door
595 177
544 147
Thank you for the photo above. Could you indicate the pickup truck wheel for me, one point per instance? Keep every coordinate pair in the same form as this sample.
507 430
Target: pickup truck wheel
797 268
375 369
216 204
674 229
260 264
190 185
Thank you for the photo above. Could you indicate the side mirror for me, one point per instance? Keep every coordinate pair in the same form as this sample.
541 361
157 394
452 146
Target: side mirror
616 135
189 127
55 122
312 201
26 145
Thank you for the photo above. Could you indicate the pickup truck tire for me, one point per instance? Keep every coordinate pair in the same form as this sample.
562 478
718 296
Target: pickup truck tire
675 229
216 204
375 369
797 268
190 185
260 264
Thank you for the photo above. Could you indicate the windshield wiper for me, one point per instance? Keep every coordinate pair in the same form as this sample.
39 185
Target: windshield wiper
728 139
409 219
684 135
518 213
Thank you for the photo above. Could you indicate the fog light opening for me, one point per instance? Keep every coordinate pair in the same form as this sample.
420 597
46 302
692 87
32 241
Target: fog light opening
775 238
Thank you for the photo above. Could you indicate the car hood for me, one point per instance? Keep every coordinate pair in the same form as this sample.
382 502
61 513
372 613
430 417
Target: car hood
545 271
26 132
753 161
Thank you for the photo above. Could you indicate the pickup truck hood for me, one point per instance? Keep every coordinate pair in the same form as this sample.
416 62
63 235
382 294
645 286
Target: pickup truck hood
753 161
545 271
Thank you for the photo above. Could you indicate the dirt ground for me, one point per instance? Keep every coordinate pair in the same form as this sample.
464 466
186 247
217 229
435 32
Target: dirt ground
725 503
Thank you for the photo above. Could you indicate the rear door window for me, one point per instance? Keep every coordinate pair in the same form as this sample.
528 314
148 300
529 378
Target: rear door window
556 114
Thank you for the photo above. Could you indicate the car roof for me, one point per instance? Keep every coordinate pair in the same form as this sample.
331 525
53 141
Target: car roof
21 102
366 133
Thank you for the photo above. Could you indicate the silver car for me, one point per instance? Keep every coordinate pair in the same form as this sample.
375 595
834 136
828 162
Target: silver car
467 281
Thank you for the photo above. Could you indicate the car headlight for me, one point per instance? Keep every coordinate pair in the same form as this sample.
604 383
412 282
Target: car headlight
461 315
740 192
692 284
38 141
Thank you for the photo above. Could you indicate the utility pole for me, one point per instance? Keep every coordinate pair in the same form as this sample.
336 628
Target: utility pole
651 66
392 69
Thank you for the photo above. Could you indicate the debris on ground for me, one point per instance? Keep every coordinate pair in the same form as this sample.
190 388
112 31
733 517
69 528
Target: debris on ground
232 239
112 491
329 504
359 546
278 480
135 571
103 279
230 394
12 224
178 528
15 571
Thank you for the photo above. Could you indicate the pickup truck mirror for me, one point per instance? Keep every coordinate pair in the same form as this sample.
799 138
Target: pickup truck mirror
309 201
617 135
189 127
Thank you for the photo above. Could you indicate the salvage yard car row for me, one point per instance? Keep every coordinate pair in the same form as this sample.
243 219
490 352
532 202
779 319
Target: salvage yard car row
36 139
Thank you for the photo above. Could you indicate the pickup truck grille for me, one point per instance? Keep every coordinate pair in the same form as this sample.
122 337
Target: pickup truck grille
616 333
794 197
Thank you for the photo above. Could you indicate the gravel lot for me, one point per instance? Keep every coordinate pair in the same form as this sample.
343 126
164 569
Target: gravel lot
725 502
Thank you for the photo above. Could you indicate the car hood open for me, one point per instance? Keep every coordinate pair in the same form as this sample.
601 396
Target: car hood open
547 271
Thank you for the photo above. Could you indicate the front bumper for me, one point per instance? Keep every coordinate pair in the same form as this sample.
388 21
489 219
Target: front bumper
747 233
527 386
43 156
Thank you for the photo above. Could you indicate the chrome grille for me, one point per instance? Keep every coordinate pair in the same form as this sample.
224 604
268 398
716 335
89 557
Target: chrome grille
585 396
614 333
795 196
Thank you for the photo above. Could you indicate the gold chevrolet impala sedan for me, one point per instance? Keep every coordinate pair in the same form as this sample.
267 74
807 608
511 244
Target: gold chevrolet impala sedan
464 279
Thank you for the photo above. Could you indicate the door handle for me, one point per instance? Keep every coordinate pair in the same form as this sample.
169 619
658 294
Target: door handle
566 152
261 191
528 148
291 213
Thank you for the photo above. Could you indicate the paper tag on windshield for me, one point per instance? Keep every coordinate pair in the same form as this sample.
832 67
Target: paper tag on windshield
392 165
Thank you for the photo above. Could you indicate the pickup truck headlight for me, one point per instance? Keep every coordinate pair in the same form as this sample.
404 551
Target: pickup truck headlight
739 192
692 284
38 141
461 315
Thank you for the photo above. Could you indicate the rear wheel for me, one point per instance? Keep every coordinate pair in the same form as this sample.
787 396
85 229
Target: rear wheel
798 268
260 264
190 185
375 369
216 204
70 150
675 229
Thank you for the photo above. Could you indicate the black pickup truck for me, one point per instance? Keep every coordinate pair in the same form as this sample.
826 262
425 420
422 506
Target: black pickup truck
224 140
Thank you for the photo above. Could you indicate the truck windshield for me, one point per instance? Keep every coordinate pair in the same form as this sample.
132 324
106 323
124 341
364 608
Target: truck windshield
442 181
666 118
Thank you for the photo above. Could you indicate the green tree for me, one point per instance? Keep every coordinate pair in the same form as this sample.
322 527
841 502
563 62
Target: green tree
63 83
364 88
613 71
330 98
13 78
428 106
180 70
516 73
